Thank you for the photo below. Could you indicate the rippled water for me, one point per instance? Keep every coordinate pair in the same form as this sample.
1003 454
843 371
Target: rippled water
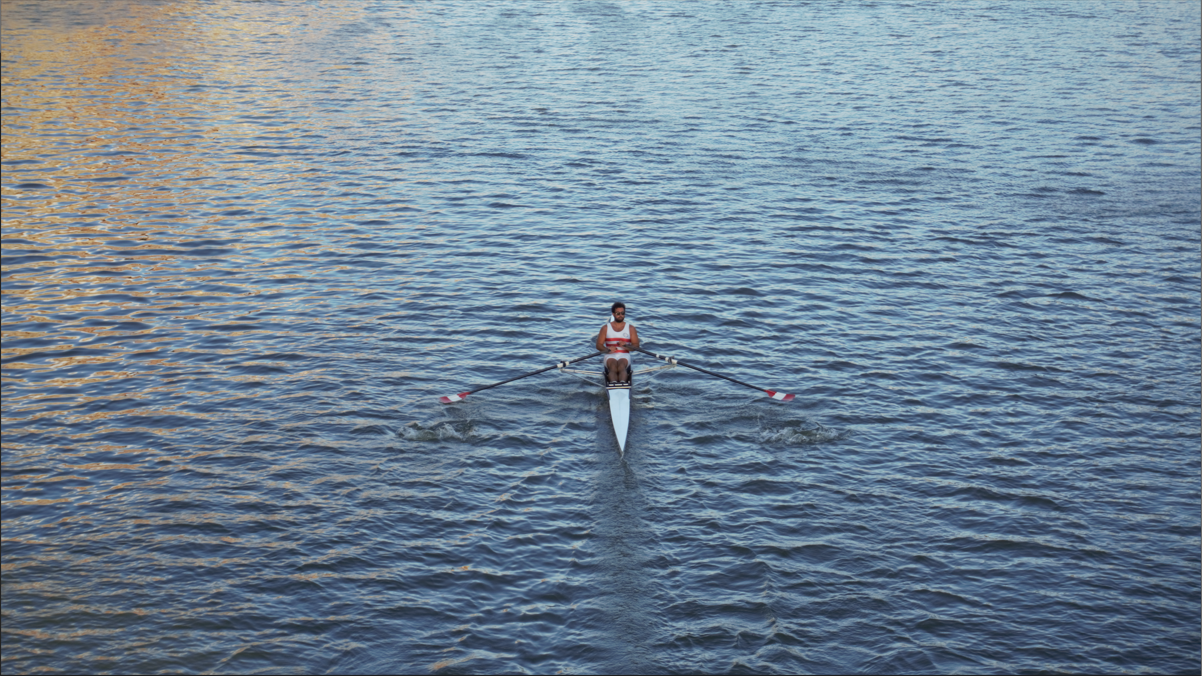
247 246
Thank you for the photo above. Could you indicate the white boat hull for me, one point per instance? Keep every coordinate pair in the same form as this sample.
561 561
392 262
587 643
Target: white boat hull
619 413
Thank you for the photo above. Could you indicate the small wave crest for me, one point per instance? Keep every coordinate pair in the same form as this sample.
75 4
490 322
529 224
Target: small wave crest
799 434
459 430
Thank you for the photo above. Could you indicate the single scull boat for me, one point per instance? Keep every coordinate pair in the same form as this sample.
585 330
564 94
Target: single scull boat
617 392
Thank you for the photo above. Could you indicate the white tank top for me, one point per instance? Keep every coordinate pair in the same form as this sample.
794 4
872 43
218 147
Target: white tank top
613 337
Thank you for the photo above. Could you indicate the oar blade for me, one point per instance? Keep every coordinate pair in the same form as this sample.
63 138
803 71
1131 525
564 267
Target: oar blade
780 395
452 398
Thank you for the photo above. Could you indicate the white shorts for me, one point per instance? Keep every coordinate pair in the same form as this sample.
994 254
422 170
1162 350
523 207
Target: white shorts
618 356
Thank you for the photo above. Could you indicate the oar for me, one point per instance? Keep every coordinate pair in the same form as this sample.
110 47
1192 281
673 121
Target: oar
672 360
452 398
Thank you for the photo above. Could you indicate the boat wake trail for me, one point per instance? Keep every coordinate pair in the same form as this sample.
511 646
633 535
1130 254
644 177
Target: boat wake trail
625 550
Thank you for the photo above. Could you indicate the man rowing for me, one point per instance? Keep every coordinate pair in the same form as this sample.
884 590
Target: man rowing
616 339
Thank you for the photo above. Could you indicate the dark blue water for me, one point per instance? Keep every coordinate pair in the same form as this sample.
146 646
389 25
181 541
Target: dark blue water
247 245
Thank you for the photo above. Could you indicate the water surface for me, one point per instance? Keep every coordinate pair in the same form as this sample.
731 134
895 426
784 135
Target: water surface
248 244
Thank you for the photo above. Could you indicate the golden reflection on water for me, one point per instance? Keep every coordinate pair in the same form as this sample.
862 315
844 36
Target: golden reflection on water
122 109
132 114
79 91
129 129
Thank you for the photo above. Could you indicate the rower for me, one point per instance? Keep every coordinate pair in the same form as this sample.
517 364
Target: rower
617 338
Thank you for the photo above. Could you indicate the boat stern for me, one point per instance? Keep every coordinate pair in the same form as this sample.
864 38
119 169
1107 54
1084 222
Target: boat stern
619 410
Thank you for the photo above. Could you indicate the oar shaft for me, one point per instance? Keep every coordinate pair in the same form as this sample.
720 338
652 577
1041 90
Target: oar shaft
456 397
674 360
534 373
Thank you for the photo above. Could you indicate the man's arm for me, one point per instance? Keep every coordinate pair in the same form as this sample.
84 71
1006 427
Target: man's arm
601 339
634 337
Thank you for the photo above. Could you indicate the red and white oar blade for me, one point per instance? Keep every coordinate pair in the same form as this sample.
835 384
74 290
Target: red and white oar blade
780 395
452 398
